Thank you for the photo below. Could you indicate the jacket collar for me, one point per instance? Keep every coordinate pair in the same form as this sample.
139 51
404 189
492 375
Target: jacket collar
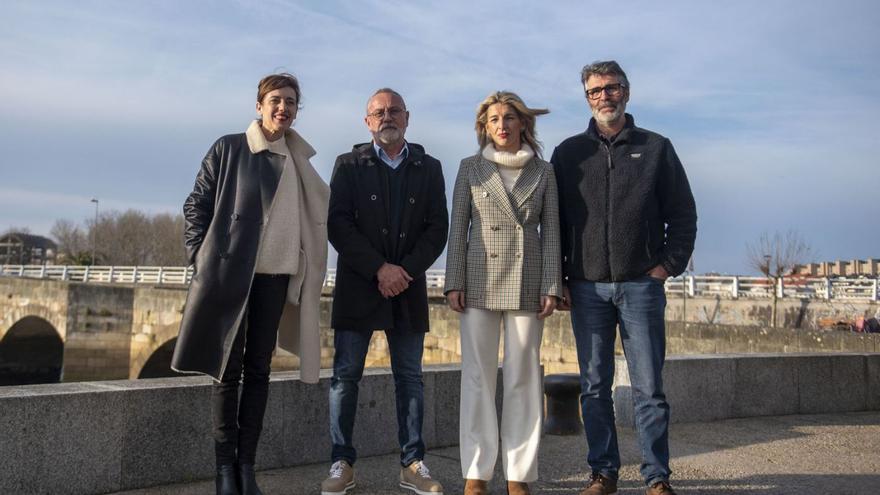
366 154
509 203
623 135
295 143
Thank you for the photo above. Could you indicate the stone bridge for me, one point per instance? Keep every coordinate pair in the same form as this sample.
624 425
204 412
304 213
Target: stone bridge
54 330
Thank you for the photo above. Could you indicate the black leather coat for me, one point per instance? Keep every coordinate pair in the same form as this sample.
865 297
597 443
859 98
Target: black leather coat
224 215
358 227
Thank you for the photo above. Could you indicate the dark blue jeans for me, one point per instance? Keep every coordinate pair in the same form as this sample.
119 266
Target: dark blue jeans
348 366
638 306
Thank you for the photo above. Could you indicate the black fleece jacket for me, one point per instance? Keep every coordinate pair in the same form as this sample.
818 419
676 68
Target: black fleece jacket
625 206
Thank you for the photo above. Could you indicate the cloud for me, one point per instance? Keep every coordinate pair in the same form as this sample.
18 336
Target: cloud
766 103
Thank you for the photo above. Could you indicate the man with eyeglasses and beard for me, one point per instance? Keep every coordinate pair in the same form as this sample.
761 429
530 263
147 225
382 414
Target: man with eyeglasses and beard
628 222
388 222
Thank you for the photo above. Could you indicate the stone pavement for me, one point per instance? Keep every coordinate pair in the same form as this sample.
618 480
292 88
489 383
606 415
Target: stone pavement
808 454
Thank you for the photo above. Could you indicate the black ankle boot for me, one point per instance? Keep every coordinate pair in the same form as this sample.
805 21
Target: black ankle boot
225 481
248 480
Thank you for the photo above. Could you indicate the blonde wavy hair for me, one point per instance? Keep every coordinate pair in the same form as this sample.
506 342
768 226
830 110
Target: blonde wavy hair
526 116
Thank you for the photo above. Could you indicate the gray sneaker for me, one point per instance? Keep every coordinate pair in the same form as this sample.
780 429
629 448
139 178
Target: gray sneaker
417 478
341 479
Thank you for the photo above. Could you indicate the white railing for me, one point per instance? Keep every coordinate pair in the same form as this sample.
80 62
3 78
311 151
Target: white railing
735 287
731 287
173 275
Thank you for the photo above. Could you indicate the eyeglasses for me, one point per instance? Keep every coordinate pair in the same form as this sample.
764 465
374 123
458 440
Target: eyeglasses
393 112
612 90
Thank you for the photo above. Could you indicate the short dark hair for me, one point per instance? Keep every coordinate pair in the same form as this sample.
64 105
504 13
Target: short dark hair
604 68
277 81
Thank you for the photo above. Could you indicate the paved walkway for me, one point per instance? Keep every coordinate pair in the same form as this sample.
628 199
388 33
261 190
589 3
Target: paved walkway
818 454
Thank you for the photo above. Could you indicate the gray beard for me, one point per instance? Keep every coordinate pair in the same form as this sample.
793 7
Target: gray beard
389 136
606 118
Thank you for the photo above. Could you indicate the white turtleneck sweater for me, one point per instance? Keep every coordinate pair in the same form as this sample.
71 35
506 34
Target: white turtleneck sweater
509 164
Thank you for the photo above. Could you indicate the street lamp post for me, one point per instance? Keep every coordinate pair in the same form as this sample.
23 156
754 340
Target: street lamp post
95 231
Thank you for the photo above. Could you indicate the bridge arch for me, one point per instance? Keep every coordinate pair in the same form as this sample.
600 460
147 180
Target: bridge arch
31 351
158 365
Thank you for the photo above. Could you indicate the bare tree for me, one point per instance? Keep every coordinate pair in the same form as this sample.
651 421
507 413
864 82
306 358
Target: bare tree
167 240
123 238
775 257
72 242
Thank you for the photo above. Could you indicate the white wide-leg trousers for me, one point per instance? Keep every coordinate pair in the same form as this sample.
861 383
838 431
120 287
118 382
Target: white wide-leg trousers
523 394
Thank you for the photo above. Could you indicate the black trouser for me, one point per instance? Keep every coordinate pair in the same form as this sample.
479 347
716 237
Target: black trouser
238 421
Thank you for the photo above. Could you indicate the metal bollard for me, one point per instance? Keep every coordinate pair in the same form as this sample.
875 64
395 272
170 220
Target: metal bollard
563 392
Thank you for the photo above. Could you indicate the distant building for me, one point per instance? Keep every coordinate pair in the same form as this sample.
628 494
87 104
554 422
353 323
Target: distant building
26 249
840 268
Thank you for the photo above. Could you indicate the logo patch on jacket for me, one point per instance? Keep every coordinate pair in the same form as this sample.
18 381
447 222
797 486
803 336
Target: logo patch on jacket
635 155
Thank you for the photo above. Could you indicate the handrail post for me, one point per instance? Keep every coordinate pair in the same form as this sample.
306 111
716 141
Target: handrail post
828 291
876 285
734 288
691 285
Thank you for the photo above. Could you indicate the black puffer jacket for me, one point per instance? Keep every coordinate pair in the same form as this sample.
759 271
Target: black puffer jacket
624 207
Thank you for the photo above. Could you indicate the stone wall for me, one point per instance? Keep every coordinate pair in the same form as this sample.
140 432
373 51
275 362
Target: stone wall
90 438
793 313
156 315
558 353
111 331
46 299
98 343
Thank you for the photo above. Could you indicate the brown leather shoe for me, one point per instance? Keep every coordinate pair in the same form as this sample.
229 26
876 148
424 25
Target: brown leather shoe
476 487
600 485
518 488
660 488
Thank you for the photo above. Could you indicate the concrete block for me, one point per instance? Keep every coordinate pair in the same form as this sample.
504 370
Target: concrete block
848 374
166 435
447 398
764 385
621 394
375 429
699 388
816 384
69 442
305 428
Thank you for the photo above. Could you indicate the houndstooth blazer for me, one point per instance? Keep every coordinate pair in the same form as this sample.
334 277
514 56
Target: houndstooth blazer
504 249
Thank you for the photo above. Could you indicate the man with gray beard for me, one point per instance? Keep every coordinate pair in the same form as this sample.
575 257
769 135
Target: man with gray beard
628 222
388 222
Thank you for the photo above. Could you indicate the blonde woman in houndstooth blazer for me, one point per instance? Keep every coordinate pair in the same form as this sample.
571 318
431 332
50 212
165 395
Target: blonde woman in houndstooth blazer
503 271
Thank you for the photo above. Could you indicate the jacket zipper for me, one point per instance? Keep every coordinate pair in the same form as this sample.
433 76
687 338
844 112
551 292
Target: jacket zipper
608 207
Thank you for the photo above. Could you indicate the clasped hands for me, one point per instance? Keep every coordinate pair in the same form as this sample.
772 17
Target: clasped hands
393 280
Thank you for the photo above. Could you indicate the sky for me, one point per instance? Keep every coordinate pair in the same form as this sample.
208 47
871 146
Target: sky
772 106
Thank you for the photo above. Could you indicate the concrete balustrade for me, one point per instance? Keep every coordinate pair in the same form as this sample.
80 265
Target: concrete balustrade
714 387
98 437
